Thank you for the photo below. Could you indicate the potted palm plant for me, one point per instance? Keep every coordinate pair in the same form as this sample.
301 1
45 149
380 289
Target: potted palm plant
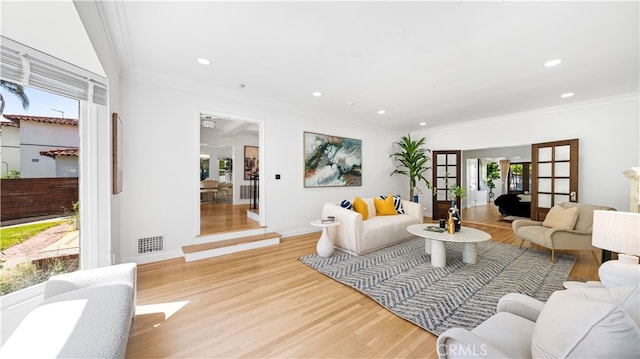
411 160
493 173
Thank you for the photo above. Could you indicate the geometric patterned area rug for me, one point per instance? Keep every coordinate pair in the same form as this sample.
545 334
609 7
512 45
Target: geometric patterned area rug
401 279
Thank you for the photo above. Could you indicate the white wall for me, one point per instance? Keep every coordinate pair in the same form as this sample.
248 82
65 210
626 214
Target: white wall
161 162
107 65
608 131
10 140
66 166
36 137
34 165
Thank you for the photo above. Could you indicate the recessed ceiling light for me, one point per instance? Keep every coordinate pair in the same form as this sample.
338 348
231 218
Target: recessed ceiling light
381 112
565 95
203 61
423 123
552 63
349 103
317 94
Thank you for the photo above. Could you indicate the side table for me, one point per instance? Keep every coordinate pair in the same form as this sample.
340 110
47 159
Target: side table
325 243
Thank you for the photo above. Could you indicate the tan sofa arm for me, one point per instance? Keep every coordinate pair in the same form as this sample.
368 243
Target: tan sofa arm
562 232
519 223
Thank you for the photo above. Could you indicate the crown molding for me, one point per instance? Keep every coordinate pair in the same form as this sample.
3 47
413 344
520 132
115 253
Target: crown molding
114 22
543 111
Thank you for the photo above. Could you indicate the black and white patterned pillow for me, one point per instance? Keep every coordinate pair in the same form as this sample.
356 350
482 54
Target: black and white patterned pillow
346 204
397 203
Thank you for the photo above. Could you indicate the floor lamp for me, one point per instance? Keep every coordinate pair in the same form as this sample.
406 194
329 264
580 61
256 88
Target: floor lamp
618 232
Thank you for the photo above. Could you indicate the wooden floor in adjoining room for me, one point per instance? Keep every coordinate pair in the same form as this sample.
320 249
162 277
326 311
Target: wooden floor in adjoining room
221 217
264 303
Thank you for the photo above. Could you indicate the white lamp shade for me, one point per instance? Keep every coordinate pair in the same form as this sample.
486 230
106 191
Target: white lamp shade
617 231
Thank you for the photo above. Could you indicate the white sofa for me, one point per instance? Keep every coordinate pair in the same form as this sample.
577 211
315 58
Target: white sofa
584 322
358 237
84 314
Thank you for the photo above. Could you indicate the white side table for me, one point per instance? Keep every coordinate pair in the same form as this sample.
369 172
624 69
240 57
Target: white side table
325 243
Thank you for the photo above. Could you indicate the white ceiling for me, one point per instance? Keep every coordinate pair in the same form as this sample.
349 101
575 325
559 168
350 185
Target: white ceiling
225 127
434 62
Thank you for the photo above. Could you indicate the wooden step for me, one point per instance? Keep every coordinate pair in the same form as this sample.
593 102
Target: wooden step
227 246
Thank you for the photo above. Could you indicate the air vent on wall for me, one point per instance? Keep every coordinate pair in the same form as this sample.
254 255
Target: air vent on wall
246 191
148 245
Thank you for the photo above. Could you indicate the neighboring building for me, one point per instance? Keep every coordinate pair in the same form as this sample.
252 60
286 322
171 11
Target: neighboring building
39 147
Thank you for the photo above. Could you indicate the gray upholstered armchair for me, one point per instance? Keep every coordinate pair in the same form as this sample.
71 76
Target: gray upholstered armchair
584 322
575 236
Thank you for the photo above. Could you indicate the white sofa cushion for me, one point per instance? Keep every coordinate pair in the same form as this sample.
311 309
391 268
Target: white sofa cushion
573 324
380 230
91 322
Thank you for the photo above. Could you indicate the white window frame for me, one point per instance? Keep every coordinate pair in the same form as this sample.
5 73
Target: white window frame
94 160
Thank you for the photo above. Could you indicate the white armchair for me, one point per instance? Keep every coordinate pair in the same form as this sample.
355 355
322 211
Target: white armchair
584 322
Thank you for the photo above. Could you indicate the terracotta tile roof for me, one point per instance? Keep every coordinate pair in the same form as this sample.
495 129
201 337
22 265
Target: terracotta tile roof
73 151
9 123
55 120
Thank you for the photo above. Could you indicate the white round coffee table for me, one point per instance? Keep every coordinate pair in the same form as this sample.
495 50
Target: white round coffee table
325 243
434 243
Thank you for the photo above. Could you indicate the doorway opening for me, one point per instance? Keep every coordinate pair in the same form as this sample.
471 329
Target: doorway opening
228 201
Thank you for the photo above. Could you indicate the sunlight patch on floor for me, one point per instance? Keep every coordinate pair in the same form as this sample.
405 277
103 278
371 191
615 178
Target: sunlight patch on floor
169 308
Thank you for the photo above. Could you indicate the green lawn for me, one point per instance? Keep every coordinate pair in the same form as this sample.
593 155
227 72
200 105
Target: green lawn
11 236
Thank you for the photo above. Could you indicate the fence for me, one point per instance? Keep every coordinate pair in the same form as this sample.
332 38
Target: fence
37 197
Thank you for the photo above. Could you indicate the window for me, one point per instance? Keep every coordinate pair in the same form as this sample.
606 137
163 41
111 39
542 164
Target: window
520 177
38 71
39 152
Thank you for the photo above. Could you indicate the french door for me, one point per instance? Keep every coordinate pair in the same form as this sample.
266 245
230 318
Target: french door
445 174
554 175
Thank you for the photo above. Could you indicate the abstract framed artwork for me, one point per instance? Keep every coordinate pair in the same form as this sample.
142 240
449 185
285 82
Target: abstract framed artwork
332 161
250 162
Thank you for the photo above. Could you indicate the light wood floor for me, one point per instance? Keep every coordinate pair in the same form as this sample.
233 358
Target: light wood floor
264 303
224 217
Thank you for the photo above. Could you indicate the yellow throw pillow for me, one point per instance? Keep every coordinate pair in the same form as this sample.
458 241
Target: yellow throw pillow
385 207
361 207
559 217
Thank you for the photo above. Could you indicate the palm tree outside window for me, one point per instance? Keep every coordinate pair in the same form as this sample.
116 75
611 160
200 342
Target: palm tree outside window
15 89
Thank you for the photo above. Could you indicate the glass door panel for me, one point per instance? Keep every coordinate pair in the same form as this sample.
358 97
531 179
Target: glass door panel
562 153
446 173
544 154
555 175
562 169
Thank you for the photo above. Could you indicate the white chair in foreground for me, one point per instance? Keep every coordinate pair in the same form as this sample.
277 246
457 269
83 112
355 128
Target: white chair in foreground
577 323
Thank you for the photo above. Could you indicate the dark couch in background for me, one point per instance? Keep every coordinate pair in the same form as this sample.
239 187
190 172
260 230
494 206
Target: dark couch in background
512 205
